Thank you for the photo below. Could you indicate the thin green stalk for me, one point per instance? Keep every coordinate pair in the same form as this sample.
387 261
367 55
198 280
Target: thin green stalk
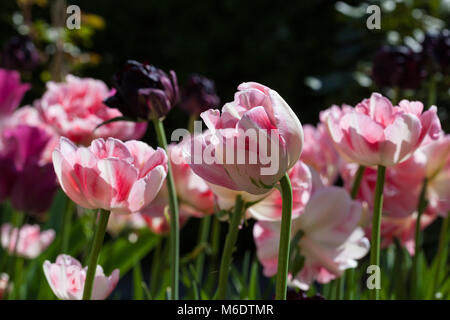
374 294
174 215
432 91
95 251
227 254
285 237
191 124
395 95
340 287
349 274
421 206
440 256
357 181
202 239
67 223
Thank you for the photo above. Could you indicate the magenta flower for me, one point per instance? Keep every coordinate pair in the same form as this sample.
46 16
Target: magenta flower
111 175
27 242
377 133
331 240
75 108
67 277
256 124
11 91
22 163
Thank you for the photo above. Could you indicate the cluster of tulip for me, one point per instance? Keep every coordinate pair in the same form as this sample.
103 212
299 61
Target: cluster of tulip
82 137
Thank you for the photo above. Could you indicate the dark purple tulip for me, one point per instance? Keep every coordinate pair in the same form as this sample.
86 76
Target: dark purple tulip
28 183
199 94
19 53
143 91
398 66
436 47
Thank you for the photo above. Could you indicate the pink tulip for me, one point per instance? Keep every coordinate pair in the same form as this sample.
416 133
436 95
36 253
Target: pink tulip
11 91
377 133
118 222
258 126
438 191
195 197
4 284
75 108
110 175
404 229
331 241
66 278
319 153
401 188
29 242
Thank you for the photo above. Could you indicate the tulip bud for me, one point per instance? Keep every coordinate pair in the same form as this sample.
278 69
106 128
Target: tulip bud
143 91
19 53
399 67
199 94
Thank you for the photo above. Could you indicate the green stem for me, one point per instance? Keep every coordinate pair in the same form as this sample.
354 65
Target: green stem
357 181
174 215
67 222
396 95
376 225
227 254
349 274
95 251
191 125
422 204
202 240
432 91
440 256
285 237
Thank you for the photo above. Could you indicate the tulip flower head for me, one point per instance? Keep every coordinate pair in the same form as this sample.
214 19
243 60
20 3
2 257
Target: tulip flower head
194 194
251 144
437 48
110 174
377 133
27 242
143 91
319 153
75 108
67 277
331 240
198 95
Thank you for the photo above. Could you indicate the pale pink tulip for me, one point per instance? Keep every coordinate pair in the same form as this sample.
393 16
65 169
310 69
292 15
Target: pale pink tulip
251 144
401 188
75 108
118 222
194 195
11 91
66 278
377 133
4 284
28 243
111 175
404 229
331 241
438 191
319 153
